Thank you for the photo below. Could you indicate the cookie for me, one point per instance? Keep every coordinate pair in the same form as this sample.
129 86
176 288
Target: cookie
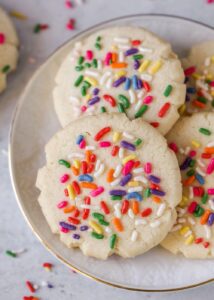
199 72
110 185
8 48
121 69
192 139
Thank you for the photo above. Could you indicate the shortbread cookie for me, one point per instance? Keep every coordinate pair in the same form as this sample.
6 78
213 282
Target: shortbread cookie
110 185
122 69
8 48
199 71
192 138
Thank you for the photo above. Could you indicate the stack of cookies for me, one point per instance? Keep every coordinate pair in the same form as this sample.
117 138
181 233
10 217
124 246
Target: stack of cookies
130 170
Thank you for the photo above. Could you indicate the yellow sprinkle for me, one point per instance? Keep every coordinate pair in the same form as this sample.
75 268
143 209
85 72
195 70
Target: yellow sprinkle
96 227
182 109
155 67
212 93
196 76
212 59
91 80
184 201
133 183
195 144
209 76
116 136
71 192
184 230
189 240
129 157
120 73
87 97
144 65
18 15
76 163
114 48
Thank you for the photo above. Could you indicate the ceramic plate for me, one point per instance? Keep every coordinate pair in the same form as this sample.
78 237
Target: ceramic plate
35 122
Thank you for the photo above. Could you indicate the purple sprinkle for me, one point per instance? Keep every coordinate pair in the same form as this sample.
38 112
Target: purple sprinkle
154 179
119 81
96 91
139 84
136 64
187 98
127 145
117 193
210 219
76 236
94 100
186 163
125 179
83 228
157 192
131 51
50 286
67 226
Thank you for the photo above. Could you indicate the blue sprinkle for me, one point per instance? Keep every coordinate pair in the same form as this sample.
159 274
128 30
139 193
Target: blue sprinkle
191 90
50 286
135 82
134 195
210 220
127 84
79 139
86 177
200 178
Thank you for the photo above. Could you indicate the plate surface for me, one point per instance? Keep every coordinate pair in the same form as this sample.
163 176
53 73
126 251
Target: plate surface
35 122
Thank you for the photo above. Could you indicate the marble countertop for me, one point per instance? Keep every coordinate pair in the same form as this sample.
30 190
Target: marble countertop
14 232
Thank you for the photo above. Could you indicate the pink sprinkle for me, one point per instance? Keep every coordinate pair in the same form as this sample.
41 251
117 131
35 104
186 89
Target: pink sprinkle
210 167
173 147
89 55
97 192
210 1
68 4
210 191
108 58
148 168
192 153
211 83
128 167
62 204
64 178
71 24
2 38
104 144
83 108
82 144
64 230
148 99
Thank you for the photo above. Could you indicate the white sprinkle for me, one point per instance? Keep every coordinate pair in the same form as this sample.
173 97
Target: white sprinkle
181 150
202 85
76 154
99 64
117 171
75 53
134 235
78 45
135 189
140 94
140 222
130 213
207 95
90 148
207 61
108 229
146 77
211 204
138 105
181 210
191 195
187 149
201 163
44 283
121 56
176 228
90 110
76 111
181 220
155 224
211 144
115 182
117 214
117 210
132 96
74 100
122 40
117 205
99 171
161 209
207 231
98 163
104 77
191 220
121 152
123 47
109 83
188 233
138 170
92 73
88 206
128 136
199 171
145 50
141 179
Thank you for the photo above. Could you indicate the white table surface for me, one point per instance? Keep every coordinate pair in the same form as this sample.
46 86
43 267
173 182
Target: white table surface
14 232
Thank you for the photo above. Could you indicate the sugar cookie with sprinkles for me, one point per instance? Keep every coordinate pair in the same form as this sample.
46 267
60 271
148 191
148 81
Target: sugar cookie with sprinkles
8 48
121 69
192 139
110 185
199 72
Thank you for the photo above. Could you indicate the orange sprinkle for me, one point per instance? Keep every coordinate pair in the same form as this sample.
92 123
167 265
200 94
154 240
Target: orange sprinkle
156 199
189 180
75 171
87 155
209 150
88 185
198 104
68 209
114 57
117 224
135 207
120 65
109 177
205 216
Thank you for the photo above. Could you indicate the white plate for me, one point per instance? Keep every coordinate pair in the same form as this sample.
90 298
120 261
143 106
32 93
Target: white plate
35 122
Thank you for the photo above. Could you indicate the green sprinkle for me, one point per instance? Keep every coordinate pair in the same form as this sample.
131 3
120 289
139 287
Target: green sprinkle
204 131
116 197
98 39
83 90
190 172
5 69
138 142
97 235
80 60
141 111
202 100
98 216
103 222
11 253
204 198
147 193
112 240
94 63
124 100
120 108
98 46
192 163
168 90
78 81
87 65
79 68
64 163
199 211
137 56
212 103
87 84
102 109
37 28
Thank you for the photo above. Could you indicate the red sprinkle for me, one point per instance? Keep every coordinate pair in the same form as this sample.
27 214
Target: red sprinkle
164 110
71 24
192 207
124 207
146 86
146 212
155 124
30 287
198 191
136 42
114 150
173 147
104 207
66 192
47 265
76 213
76 187
84 167
110 99
86 211
73 220
101 133
93 157
198 240
189 71
206 155
206 244
90 168
2 38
